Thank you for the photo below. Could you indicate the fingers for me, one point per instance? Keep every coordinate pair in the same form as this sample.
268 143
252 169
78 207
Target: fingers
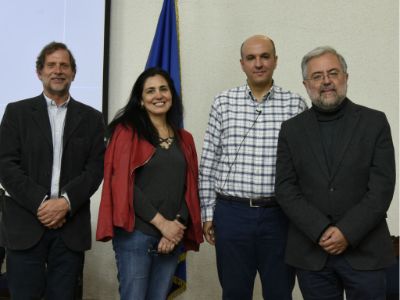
208 231
177 233
180 225
334 243
173 231
51 221
335 250
54 224
165 246
42 206
52 212
328 237
327 234
57 225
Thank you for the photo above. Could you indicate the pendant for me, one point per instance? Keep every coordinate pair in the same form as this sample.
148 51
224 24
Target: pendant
166 143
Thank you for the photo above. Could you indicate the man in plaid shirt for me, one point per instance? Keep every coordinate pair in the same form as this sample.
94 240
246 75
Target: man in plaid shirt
237 176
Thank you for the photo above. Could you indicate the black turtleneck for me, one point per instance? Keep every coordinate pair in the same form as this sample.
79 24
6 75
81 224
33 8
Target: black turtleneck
329 124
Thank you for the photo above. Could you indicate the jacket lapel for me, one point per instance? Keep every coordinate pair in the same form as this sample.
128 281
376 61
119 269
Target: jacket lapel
344 135
41 117
314 140
72 120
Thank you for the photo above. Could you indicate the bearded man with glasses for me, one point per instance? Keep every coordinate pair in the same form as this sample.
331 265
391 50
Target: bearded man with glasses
335 180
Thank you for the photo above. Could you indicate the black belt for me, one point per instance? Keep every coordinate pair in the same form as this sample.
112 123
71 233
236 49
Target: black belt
252 202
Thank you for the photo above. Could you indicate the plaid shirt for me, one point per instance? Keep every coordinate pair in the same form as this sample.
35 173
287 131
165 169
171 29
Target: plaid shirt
240 144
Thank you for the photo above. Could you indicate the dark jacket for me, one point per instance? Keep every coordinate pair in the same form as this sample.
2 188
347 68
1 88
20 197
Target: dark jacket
354 196
26 158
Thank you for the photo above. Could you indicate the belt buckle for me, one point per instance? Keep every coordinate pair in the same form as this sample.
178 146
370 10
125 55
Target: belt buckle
253 205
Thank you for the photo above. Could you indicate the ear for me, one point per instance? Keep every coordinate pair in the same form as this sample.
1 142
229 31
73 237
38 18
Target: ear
276 61
241 63
38 73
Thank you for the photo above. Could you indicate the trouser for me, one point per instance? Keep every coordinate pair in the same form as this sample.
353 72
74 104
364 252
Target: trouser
142 274
48 270
338 276
251 239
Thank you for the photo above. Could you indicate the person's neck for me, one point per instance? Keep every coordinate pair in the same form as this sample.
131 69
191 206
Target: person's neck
59 99
259 91
161 125
333 113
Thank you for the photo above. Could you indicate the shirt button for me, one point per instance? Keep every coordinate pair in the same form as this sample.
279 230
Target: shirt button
331 189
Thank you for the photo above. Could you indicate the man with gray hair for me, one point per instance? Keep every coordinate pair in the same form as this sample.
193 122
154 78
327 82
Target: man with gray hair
335 180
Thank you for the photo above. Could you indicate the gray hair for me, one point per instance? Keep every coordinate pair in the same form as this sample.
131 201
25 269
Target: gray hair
318 52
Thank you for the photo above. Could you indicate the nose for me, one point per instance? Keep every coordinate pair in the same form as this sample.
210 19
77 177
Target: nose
258 62
57 68
326 79
158 94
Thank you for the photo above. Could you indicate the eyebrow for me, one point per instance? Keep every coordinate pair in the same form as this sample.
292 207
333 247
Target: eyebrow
262 54
333 69
154 87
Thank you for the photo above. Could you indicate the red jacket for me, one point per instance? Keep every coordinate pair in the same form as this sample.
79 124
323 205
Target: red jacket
125 153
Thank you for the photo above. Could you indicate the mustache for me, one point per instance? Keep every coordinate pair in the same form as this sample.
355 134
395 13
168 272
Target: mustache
325 88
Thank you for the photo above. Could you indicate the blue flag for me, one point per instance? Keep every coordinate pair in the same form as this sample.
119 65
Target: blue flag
164 53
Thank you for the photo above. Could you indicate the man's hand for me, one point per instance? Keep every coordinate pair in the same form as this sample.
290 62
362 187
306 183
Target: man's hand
58 225
333 241
208 231
51 213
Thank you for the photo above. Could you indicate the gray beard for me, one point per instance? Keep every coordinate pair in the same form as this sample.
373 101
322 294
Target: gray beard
330 106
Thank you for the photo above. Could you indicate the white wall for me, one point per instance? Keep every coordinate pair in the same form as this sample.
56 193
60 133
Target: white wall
24 32
211 31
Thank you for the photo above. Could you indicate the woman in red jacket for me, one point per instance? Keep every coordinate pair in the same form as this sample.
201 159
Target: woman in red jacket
149 205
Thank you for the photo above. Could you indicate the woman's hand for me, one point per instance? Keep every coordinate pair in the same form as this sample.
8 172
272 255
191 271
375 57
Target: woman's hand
172 230
165 246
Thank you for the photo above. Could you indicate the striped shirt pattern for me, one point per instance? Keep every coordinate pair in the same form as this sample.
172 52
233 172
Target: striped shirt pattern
240 144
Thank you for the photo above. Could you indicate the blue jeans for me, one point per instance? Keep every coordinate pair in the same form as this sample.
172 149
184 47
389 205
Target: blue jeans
248 240
338 276
142 275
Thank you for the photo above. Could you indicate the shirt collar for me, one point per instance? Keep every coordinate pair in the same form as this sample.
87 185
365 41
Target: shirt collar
267 96
51 102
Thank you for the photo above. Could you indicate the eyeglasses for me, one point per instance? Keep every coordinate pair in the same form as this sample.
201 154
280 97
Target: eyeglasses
319 77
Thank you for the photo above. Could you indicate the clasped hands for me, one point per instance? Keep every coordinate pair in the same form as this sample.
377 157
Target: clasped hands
52 213
172 233
333 241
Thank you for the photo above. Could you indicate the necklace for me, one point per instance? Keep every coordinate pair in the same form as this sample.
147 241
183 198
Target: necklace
165 143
